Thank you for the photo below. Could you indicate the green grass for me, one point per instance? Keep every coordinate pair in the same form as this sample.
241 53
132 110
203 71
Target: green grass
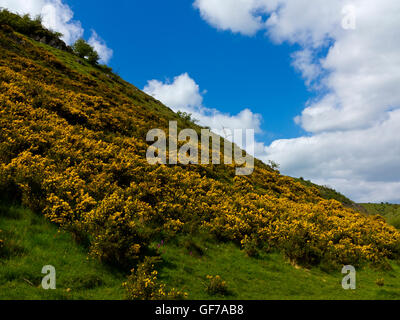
73 61
31 243
327 192
391 212
268 277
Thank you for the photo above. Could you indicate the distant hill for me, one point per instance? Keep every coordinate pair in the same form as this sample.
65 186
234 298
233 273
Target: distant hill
391 212
73 148
328 193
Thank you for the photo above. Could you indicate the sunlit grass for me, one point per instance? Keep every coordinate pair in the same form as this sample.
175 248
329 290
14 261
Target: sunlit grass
391 212
268 277
31 243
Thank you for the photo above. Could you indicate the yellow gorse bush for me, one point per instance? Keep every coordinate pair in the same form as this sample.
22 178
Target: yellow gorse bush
216 285
143 284
72 145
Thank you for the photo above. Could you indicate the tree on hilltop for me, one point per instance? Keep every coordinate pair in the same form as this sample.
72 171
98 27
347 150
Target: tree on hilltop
84 50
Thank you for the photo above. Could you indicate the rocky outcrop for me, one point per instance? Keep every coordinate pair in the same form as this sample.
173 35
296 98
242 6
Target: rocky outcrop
53 42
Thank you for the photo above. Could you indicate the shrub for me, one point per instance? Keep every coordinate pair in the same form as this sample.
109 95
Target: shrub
81 48
274 165
117 225
216 286
29 26
93 58
74 145
380 282
186 117
143 284
250 246
84 50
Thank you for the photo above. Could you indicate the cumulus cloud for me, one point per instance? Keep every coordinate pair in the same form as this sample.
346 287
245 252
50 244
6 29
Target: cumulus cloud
350 57
183 94
234 15
305 62
58 16
101 48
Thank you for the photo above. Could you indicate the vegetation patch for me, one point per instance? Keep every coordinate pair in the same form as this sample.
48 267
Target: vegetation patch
73 149
391 212
42 244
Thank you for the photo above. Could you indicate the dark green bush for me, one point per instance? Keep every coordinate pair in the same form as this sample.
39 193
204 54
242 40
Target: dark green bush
27 25
84 50
217 286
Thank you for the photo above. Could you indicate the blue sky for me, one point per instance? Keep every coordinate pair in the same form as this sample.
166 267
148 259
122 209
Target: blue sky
162 39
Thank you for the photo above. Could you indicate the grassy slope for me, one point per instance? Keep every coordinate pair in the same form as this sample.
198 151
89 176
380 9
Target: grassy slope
37 243
391 212
32 243
327 192
268 277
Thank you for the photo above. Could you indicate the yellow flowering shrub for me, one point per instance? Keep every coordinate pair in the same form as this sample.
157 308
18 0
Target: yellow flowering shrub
119 230
380 282
73 146
216 285
143 284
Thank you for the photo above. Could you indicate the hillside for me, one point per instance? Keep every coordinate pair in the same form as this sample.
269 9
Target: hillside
391 212
330 194
31 241
73 149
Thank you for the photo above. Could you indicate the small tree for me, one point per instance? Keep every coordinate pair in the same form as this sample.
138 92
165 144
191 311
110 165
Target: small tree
93 57
84 50
275 166
186 116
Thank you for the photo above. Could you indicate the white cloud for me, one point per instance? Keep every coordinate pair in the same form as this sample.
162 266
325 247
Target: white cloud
100 46
183 94
354 121
305 62
58 16
225 15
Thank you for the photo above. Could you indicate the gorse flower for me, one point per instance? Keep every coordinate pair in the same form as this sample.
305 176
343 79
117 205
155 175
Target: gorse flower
72 145
216 285
143 284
